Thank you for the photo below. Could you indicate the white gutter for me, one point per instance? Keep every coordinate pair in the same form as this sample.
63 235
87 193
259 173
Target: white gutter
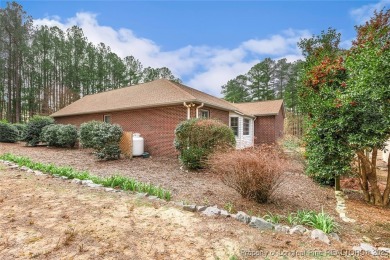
197 110
188 109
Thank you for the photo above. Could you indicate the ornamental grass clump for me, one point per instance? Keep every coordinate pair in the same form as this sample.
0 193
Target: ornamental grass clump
196 139
255 173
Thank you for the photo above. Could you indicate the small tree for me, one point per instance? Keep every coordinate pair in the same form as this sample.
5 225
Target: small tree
34 129
195 139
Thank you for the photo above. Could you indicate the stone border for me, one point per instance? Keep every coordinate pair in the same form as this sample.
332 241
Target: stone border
341 208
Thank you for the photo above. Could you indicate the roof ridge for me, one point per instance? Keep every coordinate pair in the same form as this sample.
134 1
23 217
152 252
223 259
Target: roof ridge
175 84
259 101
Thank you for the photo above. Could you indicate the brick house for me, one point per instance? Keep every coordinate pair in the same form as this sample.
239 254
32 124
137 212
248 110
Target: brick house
154 109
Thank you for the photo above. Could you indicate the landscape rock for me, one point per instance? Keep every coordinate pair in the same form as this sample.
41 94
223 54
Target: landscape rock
56 175
320 235
260 223
243 217
211 211
334 236
191 208
282 229
86 182
109 189
200 208
38 173
64 177
13 167
141 194
179 203
30 171
224 213
77 181
298 229
152 197
93 185
24 168
369 248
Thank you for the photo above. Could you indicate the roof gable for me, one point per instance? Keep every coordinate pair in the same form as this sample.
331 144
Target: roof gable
261 108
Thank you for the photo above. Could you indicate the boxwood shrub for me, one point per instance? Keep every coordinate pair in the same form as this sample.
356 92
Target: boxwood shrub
34 129
21 130
8 133
60 135
196 139
103 138
86 133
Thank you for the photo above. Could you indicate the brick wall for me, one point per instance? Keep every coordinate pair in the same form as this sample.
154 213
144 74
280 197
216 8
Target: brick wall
156 125
265 129
268 129
213 112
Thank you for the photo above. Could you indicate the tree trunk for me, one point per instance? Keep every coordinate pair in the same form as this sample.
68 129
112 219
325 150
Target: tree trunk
370 170
386 193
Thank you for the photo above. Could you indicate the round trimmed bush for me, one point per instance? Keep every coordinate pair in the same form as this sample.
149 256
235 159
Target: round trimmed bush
86 134
50 135
60 135
67 136
8 133
34 129
21 130
103 137
196 139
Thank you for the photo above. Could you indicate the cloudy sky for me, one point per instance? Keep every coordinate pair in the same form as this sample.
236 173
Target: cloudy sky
205 43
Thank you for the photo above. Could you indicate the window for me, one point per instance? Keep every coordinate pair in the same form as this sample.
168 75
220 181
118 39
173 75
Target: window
245 129
107 118
204 113
234 125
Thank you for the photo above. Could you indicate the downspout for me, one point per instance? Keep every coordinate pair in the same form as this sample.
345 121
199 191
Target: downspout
253 138
188 109
197 110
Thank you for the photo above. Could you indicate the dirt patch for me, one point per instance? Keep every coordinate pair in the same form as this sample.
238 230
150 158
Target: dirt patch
47 218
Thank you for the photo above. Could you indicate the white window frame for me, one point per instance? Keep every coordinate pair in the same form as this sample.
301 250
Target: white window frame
204 111
105 120
237 126
243 126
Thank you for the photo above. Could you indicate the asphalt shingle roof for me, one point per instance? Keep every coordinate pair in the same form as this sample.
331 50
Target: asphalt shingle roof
159 93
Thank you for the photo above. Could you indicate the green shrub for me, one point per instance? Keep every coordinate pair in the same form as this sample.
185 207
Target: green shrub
34 129
49 135
60 135
67 135
196 139
21 130
86 134
8 133
103 138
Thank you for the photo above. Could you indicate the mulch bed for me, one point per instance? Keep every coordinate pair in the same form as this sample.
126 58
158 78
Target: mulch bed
201 187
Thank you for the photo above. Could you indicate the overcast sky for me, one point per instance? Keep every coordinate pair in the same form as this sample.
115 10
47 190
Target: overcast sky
205 43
